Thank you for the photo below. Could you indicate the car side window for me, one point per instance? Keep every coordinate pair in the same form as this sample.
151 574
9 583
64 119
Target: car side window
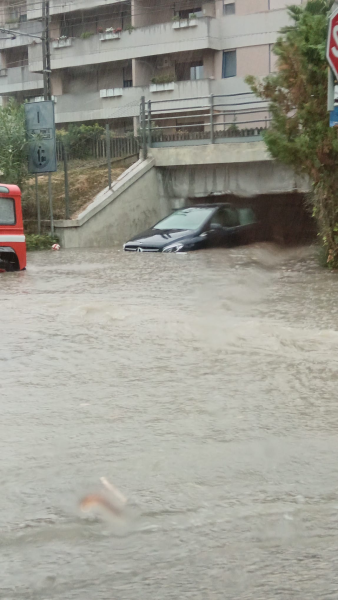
226 217
247 216
217 218
230 217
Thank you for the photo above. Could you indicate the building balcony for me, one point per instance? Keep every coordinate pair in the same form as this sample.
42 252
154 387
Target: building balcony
20 40
94 106
184 23
162 87
142 42
61 43
57 8
19 79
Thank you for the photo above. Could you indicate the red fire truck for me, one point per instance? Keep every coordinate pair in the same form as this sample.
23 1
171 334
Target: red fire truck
12 238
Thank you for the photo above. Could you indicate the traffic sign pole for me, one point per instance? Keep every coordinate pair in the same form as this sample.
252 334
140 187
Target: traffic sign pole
330 90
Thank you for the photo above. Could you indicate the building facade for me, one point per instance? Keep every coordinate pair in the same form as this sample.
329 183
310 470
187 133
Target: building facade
107 54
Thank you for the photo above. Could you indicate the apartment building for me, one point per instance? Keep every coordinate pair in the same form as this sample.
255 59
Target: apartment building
107 54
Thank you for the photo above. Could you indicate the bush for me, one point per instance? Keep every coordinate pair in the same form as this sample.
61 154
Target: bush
40 242
13 143
78 139
166 78
85 35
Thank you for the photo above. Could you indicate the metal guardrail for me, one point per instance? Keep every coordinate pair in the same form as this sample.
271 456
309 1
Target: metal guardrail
213 118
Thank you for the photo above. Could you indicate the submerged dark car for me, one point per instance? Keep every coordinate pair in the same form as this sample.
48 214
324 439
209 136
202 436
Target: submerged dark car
200 226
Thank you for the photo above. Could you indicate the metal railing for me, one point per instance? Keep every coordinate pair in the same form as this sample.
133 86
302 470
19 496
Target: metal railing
213 119
97 148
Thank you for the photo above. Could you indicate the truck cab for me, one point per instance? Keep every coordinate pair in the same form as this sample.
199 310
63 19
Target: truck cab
12 238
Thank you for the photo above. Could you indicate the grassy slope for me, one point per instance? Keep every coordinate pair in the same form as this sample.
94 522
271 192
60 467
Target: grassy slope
85 181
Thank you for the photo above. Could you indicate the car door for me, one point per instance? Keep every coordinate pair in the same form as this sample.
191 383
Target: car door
215 230
249 225
223 229
231 226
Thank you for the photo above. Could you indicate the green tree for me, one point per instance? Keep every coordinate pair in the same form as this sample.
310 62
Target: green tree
78 138
299 134
13 144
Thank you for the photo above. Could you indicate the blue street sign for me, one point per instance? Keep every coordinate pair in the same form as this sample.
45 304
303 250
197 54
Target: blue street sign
334 117
40 128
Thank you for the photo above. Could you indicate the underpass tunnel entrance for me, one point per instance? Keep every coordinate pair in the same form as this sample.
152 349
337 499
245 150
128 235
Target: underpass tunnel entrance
284 218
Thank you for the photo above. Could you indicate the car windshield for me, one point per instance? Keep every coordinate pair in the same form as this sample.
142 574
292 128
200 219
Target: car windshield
188 218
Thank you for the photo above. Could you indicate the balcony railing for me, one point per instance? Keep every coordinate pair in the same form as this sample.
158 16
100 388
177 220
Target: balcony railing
210 119
115 103
19 79
154 40
7 41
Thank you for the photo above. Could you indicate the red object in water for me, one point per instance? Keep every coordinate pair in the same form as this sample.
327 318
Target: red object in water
12 238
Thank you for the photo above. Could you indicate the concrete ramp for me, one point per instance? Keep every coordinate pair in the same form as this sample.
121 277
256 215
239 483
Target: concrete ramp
115 215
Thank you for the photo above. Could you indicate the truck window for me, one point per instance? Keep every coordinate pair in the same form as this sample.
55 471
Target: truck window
7 211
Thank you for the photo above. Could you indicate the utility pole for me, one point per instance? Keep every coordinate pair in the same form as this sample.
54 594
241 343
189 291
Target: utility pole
46 50
47 88
47 38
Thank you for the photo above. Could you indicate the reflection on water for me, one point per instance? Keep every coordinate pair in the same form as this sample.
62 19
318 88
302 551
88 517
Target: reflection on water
204 387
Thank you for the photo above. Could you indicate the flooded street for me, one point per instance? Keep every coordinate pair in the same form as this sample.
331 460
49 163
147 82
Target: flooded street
204 386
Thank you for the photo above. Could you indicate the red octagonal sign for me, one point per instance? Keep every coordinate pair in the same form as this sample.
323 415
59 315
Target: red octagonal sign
332 43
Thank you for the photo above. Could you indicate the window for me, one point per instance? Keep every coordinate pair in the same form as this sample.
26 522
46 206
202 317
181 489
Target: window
127 77
16 13
7 211
189 71
226 217
188 218
229 8
246 216
229 67
186 14
230 217
196 70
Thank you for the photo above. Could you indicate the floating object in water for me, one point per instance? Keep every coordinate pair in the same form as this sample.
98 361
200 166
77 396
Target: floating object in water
98 501
56 247
112 503
113 490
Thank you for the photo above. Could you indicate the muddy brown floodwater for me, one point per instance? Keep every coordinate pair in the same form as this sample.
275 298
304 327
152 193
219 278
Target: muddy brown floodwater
204 386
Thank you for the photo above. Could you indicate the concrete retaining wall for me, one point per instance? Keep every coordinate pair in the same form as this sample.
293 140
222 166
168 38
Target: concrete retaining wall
114 216
241 179
211 154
